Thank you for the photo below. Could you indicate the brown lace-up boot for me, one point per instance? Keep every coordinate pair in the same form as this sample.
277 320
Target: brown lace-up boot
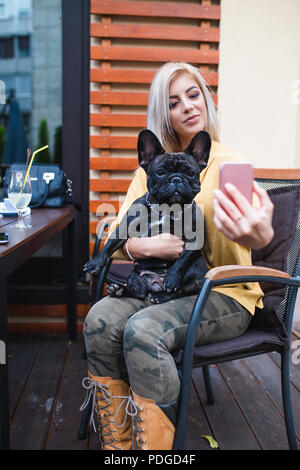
153 429
110 404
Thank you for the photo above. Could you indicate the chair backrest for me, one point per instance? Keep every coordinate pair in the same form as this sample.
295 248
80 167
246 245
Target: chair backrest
279 178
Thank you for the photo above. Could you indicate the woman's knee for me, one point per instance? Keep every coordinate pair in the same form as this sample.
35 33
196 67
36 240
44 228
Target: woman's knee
108 317
102 322
93 321
142 329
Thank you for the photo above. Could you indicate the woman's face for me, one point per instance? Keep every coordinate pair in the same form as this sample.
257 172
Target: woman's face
188 114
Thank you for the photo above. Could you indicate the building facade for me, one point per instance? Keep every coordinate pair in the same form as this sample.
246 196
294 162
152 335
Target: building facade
31 62
15 52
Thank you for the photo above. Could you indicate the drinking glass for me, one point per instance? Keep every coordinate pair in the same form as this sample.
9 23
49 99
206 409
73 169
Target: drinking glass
19 194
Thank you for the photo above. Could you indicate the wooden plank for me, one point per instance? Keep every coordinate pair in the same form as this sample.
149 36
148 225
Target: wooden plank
156 9
154 54
31 421
41 327
124 98
139 76
197 425
94 224
264 419
230 428
110 185
215 99
66 416
294 367
22 355
109 163
121 75
93 440
118 120
211 78
94 205
113 142
36 310
144 31
268 374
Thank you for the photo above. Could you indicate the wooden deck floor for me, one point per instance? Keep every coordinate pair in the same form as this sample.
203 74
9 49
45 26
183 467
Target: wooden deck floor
46 371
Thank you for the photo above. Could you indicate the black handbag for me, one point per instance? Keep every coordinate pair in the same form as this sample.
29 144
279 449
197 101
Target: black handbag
50 185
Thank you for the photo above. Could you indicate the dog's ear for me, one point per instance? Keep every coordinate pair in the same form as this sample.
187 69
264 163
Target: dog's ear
199 147
148 147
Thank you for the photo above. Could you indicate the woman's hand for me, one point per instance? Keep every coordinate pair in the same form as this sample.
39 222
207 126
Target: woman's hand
164 245
239 221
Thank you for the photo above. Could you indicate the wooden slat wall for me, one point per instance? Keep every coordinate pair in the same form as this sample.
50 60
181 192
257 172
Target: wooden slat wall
130 40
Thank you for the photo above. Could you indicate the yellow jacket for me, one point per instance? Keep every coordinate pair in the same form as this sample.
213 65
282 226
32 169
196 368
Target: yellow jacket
218 250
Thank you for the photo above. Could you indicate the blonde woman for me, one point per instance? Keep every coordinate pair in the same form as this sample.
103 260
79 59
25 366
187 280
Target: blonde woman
129 341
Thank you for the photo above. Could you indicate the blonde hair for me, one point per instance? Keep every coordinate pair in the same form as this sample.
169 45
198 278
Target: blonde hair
158 105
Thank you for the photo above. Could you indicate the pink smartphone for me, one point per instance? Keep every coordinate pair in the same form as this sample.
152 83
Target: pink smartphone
240 174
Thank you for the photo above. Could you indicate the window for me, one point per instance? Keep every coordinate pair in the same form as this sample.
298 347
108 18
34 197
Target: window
6 48
23 12
23 85
23 46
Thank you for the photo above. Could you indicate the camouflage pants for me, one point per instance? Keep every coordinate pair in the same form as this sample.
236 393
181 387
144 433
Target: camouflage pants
133 339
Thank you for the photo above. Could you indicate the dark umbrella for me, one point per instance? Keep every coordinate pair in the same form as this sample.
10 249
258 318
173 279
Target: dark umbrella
16 141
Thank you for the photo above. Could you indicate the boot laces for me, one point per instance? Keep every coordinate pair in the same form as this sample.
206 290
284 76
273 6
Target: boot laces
138 429
132 409
92 388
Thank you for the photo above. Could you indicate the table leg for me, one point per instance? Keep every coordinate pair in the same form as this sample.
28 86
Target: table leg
4 391
72 266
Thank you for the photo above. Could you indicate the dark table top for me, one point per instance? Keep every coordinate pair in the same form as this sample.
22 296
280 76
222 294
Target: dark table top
46 223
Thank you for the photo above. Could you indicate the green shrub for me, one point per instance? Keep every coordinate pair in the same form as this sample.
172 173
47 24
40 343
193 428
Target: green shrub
58 145
44 156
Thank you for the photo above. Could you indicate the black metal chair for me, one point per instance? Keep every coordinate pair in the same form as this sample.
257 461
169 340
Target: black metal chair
270 329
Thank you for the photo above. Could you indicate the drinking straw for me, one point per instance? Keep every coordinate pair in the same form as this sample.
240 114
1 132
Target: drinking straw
28 159
31 161
30 164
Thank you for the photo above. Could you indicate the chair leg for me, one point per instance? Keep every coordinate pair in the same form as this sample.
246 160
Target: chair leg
84 353
84 422
287 402
208 386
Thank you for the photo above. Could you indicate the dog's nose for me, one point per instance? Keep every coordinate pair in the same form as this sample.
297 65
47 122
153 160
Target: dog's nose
176 179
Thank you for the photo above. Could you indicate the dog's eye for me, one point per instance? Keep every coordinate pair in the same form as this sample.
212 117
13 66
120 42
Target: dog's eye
160 172
191 174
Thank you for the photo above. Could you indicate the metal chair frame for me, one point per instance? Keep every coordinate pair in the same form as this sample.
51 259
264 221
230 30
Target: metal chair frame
185 371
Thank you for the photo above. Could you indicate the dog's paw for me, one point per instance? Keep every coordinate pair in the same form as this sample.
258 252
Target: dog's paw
115 290
95 265
172 282
153 298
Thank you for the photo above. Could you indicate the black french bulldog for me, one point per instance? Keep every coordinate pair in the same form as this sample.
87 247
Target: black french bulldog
173 181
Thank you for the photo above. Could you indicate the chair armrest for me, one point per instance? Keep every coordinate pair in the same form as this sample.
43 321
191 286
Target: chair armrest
106 222
236 274
101 229
229 271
